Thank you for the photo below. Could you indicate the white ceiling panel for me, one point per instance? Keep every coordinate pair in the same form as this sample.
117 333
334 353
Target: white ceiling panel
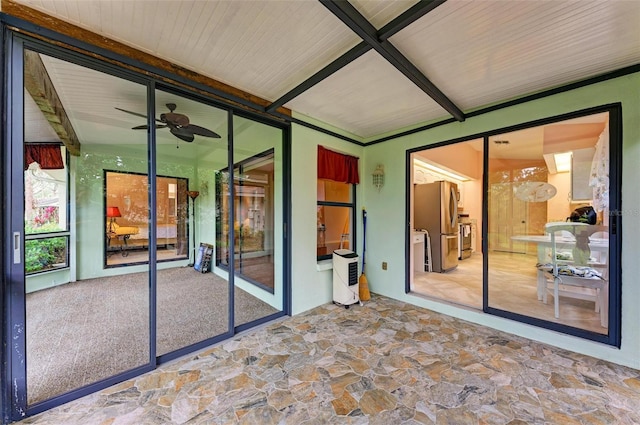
367 97
90 99
381 12
476 52
488 51
263 47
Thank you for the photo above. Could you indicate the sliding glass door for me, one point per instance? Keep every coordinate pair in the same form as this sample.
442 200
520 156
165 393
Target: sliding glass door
257 203
538 212
84 322
549 227
191 145
126 251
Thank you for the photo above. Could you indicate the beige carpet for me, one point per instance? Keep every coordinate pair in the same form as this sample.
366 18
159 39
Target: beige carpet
86 331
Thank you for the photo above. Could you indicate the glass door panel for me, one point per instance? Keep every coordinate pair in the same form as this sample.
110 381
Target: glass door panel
85 322
193 296
430 250
258 217
542 263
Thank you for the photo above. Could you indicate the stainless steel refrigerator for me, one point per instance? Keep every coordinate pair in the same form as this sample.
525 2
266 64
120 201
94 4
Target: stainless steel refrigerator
436 211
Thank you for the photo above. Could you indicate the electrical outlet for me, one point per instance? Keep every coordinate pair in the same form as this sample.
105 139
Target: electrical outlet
384 265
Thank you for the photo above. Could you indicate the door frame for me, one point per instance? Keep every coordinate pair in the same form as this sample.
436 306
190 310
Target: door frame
613 337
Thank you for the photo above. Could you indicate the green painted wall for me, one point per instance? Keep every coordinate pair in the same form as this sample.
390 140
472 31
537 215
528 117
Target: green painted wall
310 286
386 211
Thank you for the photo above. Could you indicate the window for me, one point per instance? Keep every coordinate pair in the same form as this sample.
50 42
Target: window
337 177
254 212
127 223
46 224
336 213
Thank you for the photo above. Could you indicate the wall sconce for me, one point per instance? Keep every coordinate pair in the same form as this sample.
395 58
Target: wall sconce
204 188
378 177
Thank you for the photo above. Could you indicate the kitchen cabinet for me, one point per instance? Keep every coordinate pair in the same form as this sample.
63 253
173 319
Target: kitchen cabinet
418 251
581 160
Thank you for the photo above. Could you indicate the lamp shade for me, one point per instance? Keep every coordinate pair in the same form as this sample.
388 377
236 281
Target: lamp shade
113 212
193 194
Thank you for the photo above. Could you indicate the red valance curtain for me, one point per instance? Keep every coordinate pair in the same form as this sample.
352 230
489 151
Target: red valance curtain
338 167
48 156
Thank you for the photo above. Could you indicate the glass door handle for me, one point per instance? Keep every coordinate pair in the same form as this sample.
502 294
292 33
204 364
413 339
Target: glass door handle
16 248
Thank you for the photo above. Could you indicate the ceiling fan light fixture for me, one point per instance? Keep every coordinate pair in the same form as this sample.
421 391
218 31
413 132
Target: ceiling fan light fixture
178 124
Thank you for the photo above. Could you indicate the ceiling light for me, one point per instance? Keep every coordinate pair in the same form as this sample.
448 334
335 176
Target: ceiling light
558 162
563 161
439 170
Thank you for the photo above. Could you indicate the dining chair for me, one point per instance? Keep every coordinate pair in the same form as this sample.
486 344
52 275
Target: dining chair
575 270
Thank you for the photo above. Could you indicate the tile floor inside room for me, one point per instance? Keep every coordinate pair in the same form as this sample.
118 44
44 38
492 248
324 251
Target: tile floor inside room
386 362
512 287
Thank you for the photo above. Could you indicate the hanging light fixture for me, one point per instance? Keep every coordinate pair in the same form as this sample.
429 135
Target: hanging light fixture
378 177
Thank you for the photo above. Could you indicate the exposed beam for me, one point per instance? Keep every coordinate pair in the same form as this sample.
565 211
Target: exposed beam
363 28
41 89
333 67
408 17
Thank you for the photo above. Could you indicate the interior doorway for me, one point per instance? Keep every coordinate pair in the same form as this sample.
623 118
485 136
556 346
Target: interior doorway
459 166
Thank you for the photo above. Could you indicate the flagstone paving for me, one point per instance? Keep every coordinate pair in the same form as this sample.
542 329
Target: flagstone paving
386 362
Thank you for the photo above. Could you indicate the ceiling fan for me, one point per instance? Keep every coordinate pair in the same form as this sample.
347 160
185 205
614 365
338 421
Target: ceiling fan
178 124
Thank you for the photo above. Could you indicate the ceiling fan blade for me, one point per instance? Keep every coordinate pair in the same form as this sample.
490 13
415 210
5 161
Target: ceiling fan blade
182 135
134 113
144 127
200 131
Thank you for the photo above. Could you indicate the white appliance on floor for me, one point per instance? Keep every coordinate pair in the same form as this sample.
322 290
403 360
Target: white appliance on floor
346 290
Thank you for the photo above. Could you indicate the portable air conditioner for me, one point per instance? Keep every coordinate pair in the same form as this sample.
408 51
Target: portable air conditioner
345 277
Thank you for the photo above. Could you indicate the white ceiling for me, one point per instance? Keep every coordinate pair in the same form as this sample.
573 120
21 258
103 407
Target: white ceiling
476 52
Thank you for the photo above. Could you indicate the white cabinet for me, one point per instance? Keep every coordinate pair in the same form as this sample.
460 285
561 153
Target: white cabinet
460 195
581 160
418 251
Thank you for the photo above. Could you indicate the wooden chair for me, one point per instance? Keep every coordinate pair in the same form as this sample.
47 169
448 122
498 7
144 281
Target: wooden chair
574 271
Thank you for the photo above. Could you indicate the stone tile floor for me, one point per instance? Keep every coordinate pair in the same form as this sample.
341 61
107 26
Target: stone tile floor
386 362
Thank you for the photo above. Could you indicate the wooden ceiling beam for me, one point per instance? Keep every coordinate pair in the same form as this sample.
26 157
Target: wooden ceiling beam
41 89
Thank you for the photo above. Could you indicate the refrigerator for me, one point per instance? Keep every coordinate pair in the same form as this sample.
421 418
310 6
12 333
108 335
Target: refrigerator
436 211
